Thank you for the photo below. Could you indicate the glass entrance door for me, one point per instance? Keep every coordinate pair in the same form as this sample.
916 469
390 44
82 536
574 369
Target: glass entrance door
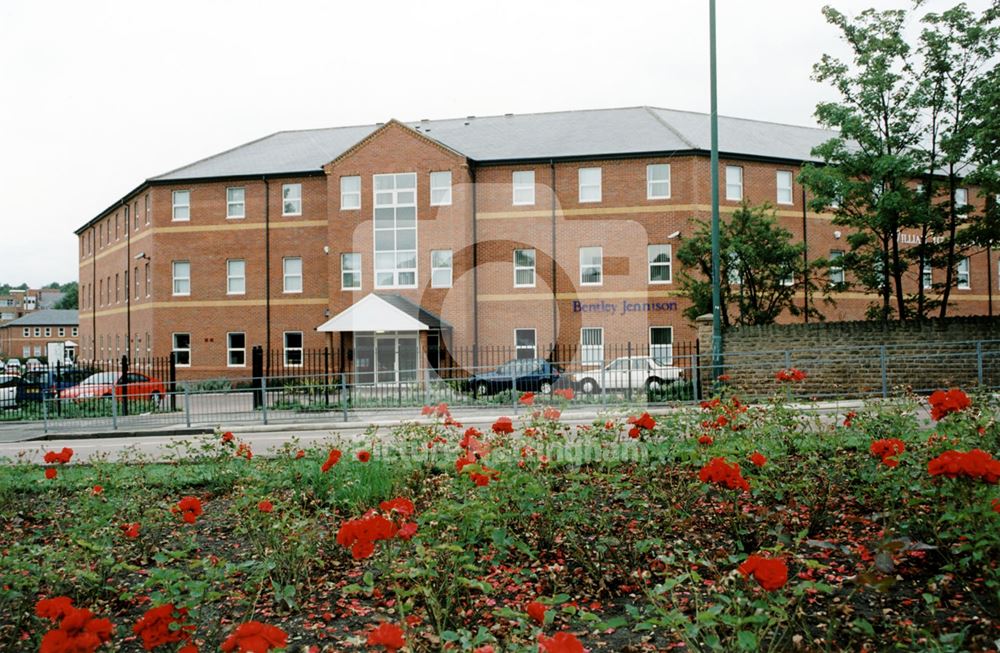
386 358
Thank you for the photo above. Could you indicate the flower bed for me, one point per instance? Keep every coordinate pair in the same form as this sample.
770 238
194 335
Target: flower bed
720 528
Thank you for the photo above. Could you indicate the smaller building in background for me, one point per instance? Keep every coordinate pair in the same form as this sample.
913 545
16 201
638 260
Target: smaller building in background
29 336
19 302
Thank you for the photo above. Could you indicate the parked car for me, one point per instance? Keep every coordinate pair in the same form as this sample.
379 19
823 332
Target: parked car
47 383
8 390
637 372
106 384
526 375
13 366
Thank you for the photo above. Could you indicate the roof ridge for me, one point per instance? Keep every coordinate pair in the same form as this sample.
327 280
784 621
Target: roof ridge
670 127
728 117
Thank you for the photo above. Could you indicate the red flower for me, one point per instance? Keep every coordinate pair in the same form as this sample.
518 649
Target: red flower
243 451
791 375
62 457
722 473
155 626
996 505
503 426
426 410
758 459
973 464
255 637
723 378
131 531
227 437
551 413
388 636
189 648
54 609
536 611
403 506
527 399
361 534
364 456
50 473
488 648
265 506
566 393
300 454
561 642
189 507
705 439
78 632
849 418
97 489
944 403
407 531
332 459
887 449
644 421
770 573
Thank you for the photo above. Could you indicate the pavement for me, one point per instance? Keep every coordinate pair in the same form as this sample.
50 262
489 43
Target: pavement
29 445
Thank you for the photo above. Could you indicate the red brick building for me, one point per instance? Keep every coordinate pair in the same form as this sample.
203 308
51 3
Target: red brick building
29 336
396 241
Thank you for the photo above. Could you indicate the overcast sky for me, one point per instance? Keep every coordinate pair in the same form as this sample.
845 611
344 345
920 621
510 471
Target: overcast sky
98 95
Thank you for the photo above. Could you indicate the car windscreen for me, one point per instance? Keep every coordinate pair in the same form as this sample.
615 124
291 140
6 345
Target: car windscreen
101 378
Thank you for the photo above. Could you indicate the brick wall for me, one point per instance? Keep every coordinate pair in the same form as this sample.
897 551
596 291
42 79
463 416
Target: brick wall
860 358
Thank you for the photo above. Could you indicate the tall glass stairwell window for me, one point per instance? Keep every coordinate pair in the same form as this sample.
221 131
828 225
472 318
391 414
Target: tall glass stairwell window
395 226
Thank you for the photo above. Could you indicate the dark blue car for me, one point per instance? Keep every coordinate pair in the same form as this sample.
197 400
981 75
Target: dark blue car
525 375
47 383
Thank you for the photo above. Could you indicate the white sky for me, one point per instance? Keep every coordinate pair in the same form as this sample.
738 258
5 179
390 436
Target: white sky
98 95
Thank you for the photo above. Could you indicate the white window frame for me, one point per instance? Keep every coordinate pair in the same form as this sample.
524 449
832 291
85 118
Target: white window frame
291 204
737 184
963 278
837 276
961 198
519 347
26 332
231 278
74 332
525 268
286 349
62 332
181 279
350 199
669 358
149 280
927 280
48 332
591 184
233 204
599 266
175 348
437 268
779 188
180 212
441 183
522 187
344 271
230 349
592 353
652 251
286 276
653 182
391 201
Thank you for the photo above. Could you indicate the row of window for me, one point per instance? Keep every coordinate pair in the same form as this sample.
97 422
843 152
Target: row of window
103 230
236 207
236 348
37 331
118 289
962 279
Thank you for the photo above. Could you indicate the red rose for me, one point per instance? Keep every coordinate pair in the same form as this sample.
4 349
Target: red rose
227 437
364 456
131 531
758 459
189 508
50 473
887 449
946 402
705 439
78 632
255 637
155 626
536 611
527 399
561 642
503 426
387 635
996 505
401 505
300 454
770 573
61 457
551 413
265 506
97 489
565 393
722 473
54 609
332 459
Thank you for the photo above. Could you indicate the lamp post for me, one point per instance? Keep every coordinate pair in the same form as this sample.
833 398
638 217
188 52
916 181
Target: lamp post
716 262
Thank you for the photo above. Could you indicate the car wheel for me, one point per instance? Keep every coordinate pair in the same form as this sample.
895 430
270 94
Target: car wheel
654 384
156 399
589 387
545 387
482 389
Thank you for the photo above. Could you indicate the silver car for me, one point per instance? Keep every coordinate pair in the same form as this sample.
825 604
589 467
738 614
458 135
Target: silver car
8 390
635 372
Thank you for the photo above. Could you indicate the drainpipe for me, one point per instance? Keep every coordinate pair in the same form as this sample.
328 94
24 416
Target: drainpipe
128 288
475 272
552 253
93 293
267 271
805 260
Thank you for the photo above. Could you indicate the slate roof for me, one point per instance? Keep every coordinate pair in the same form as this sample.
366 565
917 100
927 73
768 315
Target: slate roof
559 135
415 311
51 317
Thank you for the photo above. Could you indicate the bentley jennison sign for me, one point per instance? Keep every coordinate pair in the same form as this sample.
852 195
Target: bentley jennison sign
625 307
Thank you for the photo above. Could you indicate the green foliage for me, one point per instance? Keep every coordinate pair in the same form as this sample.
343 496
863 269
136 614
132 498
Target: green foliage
758 261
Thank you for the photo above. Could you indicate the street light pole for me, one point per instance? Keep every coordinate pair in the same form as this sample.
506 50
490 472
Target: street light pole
716 263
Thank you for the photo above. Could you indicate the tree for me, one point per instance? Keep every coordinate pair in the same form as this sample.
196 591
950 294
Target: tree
762 269
869 163
70 298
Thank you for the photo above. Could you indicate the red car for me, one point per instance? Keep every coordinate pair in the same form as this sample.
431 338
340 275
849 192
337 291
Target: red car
103 384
